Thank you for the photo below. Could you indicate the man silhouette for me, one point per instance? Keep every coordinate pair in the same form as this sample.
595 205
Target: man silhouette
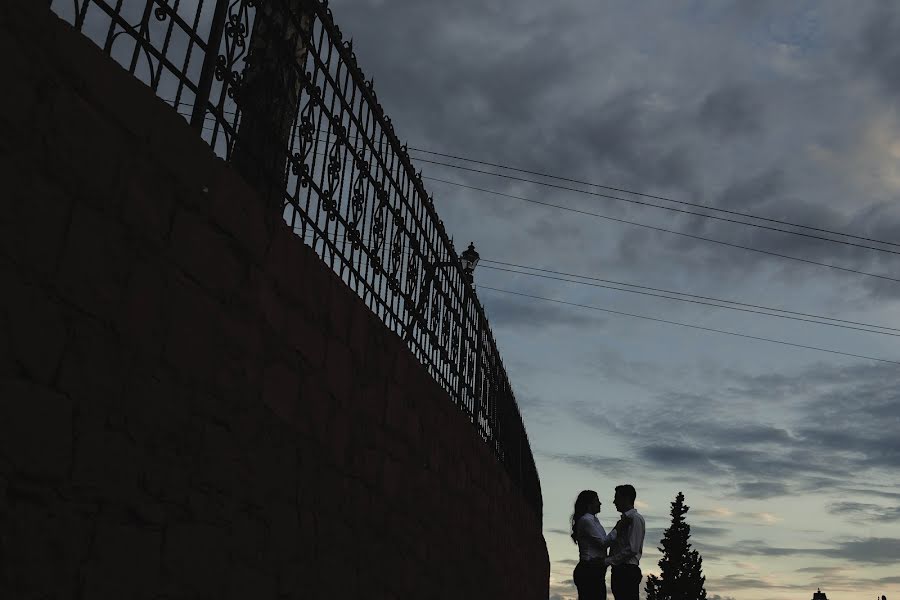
625 552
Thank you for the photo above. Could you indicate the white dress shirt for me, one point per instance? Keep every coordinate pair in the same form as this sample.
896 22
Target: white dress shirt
592 538
628 548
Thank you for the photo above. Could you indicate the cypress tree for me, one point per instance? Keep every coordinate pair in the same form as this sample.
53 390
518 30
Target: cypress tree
681 568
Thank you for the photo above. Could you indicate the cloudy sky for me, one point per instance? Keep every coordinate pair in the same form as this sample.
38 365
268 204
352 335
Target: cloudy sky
788 457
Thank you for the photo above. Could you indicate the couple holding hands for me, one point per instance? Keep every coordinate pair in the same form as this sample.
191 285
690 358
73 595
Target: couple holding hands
620 549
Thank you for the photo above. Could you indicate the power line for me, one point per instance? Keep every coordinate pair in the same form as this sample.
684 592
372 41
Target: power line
664 198
650 204
710 329
644 287
813 318
747 310
653 227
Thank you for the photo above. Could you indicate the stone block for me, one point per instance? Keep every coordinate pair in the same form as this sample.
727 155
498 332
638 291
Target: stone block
36 425
303 335
140 319
268 302
281 392
287 262
339 368
192 338
245 582
85 149
42 550
205 254
358 339
19 101
195 555
94 367
339 301
96 262
37 329
283 544
147 199
236 387
165 479
239 211
125 562
369 400
156 406
35 217
106 465
184 154
247 535
242 340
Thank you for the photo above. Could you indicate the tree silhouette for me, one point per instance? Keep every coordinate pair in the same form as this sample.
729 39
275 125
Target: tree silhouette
681 569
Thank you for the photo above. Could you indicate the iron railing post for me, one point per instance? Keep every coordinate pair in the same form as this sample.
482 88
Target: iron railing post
207 72
269 94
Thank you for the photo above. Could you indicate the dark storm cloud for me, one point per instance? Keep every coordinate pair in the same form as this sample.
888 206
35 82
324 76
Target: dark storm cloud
731 110
667 456
871 492
873 551
762 489
624 136
761 188
701 531
506 311
746 582
865 512
844 426
514 90
598 464
878 46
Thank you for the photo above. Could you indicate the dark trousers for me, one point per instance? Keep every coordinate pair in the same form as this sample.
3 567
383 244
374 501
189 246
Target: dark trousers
626 582
590 579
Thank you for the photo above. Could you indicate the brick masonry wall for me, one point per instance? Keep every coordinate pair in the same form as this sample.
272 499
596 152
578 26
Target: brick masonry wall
192 405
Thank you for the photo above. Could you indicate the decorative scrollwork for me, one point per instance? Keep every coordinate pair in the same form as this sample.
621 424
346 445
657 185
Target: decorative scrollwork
435 310
236 30
378 230
335 170
377 266
393 285
396 249
237 26
445 329
454 342
412 273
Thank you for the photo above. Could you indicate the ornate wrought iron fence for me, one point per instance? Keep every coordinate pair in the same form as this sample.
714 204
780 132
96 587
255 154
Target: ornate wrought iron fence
273 87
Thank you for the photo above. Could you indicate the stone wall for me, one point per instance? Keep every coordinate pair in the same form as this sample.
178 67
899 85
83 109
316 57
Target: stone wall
192 404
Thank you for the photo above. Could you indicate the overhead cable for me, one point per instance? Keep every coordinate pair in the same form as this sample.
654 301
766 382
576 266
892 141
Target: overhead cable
669 208
645 195
709 329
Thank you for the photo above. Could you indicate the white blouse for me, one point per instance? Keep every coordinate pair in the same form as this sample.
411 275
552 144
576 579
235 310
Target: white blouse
592 538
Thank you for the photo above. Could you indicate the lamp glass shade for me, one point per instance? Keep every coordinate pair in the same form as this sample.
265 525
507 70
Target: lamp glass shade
469 258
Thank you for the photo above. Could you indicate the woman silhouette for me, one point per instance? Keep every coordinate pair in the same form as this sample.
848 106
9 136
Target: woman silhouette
592 540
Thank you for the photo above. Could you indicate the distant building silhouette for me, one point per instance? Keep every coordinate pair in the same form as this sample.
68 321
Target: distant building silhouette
819 595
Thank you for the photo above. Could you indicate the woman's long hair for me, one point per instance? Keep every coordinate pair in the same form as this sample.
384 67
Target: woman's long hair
582 502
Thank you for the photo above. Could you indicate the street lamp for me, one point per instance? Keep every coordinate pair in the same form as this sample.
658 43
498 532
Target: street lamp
469 259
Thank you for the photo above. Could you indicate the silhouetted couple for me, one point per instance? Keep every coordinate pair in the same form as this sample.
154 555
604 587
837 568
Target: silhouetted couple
620 549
